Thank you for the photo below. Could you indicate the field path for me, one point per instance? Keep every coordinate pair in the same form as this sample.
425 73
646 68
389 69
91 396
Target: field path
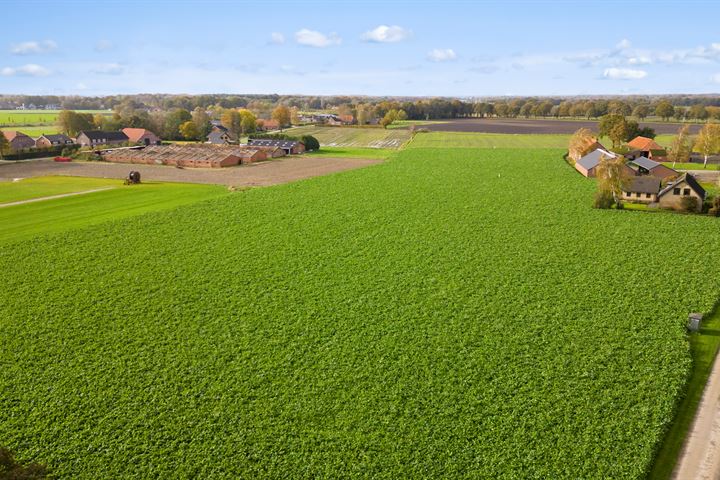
53 197
700 457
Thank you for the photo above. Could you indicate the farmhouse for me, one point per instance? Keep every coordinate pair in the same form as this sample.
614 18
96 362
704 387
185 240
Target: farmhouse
290 146
219 137
45 141
641 190
674 195
269 124
587 164
92 138
645 166
18 140
141 136
645 147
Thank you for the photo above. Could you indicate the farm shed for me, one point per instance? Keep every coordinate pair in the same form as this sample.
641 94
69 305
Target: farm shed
290 146
191 156
45 141
645 147
645 166
18 140
251 156
91 138
141 136
685 186
587 164
641 190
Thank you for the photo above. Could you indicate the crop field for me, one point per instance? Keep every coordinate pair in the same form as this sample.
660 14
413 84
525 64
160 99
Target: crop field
427 317
34 131
539 126
355 137
21 222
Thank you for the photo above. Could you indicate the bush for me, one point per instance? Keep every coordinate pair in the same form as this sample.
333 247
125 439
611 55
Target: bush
604 199
11 469
689 204
715 207
311 143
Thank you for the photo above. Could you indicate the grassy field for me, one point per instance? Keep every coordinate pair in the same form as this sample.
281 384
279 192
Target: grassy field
487 140
47 186
353 152
355 137
12 118
417 318
692 166
35 131
27 221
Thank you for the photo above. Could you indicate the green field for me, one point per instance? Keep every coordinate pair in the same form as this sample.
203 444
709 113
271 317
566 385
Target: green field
13 118
37 187
355 137
427 317
353 152
21 222
487 140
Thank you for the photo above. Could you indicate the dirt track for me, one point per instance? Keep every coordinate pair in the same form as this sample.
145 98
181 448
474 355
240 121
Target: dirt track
524 126
259 174
700 457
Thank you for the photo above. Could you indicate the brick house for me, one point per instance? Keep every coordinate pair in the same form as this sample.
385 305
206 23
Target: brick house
645 166
685 186
18 140
641 190
91 138
56 140
141 136
645 147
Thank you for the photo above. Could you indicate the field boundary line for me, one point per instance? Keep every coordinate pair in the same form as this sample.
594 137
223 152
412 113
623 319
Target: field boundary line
53 197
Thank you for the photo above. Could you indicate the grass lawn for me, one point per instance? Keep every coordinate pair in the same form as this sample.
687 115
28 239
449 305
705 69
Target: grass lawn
27 221
37 187
353 152
692 166
704 346
34 131
487 140
354 137
13 118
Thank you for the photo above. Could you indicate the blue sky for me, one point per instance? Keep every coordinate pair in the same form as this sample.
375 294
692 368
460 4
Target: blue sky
454 48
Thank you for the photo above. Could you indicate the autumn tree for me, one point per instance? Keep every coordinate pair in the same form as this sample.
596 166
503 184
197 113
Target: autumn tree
71 123
189 130
390 117
232 120
641 112
698 112
581 143
664 110
248 122
362 114
611 177
201 119
680 146
4 145
173 120
708 141
281 114
613 126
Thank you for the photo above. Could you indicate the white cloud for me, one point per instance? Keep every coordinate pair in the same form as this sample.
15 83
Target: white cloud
441 55
312 38
29 70
104 46
624 74
623 44
386 34
29 48
277 38
639 60
109 69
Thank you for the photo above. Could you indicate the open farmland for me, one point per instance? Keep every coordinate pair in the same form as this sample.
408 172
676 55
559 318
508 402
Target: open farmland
425 317
355 137
13 118
538 126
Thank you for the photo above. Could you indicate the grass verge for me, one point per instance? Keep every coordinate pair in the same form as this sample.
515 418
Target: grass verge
704 346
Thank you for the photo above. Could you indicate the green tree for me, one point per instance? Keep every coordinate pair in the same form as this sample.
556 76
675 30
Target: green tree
389 118
641 112
664 110
201 119
612 176
71 123
698 112
401 115
708 141
680 146
173 120
248 122
232 120
4 145
281 114
189 131
613 126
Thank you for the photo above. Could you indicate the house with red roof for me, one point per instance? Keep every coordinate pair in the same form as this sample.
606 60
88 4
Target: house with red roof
141 136
18 140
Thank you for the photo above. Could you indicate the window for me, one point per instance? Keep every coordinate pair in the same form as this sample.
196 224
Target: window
647 195
637 194
686 191
676 191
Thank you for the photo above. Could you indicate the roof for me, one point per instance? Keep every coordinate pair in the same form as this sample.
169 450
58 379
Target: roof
642 185
135 134
263 142
645 163
56 137
108 136
644 144
11 135
592 159
689 180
